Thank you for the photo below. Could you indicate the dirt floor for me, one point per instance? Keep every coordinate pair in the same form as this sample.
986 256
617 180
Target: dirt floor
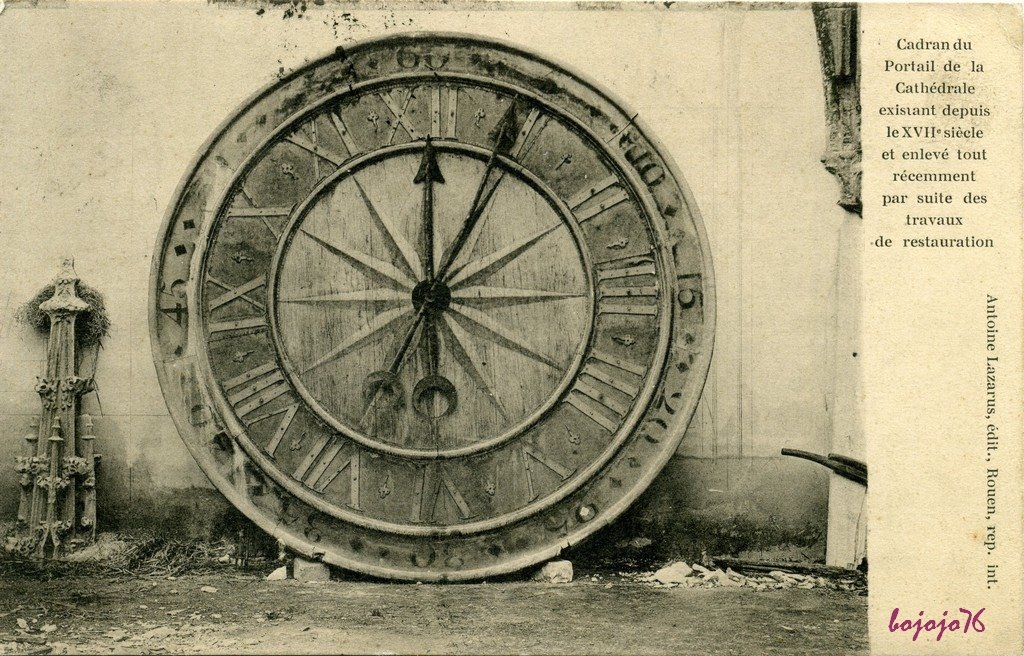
233 611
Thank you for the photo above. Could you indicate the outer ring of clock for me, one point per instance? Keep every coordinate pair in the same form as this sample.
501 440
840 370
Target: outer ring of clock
451 554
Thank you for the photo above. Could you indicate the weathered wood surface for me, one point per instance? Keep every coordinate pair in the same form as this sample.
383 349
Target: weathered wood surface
432 359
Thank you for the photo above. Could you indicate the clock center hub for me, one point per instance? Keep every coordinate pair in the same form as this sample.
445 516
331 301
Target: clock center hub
434 295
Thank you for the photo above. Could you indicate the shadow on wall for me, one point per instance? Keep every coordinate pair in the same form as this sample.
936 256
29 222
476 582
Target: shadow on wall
698 508
695 508
186 514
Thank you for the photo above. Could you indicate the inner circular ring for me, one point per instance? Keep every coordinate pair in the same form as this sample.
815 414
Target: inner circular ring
431 298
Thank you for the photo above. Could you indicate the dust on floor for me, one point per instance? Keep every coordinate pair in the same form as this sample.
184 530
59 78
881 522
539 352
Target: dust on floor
231 611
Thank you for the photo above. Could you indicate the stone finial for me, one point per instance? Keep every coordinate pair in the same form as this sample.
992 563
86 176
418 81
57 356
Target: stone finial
65 291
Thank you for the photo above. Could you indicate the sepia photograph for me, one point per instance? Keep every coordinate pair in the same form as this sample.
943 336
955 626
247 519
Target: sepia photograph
431 327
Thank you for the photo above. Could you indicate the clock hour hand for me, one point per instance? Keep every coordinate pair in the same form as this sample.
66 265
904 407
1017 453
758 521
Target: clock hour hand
429 173
389 376
504 139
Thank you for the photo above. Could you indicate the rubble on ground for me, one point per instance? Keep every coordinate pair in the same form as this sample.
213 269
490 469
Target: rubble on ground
697 576
674 573
555 571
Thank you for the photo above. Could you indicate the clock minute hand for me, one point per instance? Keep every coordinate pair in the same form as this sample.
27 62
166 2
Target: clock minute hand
504 139
429 173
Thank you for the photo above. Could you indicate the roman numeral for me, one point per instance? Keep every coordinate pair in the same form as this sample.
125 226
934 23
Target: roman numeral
399 115
264 214
255 212
288 416
617 367
531 455
636 298
251 324
528 134
313 146
605 195
443 484
255 388
322 465
435 111
343 132
453 112
240 291
606 408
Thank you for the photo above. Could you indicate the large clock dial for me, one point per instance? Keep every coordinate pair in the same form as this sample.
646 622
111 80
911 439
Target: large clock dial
413 341
432 308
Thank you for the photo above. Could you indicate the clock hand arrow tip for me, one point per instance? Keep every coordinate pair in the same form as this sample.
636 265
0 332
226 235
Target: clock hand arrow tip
429 170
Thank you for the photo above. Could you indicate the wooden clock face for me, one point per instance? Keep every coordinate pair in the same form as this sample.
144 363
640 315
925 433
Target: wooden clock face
432 308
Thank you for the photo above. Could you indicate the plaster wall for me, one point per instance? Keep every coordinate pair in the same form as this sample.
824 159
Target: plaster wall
103 106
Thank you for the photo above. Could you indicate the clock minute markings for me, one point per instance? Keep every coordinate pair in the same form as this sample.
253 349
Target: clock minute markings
178 313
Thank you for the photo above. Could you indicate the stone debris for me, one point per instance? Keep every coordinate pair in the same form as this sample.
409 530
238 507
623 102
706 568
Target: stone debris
674 573
279 574
308 570
697 576
556 571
